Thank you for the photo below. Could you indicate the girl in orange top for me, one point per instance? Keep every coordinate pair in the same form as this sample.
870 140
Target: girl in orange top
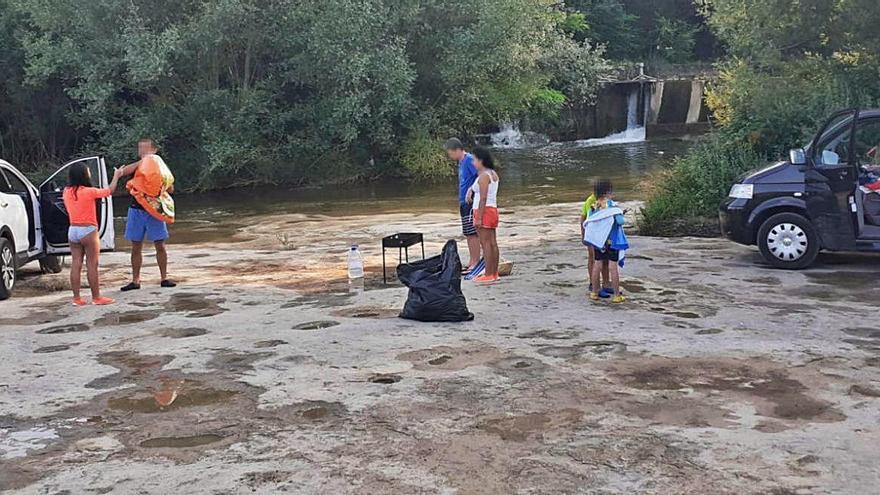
79 201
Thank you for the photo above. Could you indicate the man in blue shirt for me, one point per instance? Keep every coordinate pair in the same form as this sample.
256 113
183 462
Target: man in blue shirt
467 174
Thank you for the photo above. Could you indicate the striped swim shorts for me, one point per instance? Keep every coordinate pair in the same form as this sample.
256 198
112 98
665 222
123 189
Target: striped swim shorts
467 219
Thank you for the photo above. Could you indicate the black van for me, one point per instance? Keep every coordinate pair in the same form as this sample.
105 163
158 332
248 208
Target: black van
814 200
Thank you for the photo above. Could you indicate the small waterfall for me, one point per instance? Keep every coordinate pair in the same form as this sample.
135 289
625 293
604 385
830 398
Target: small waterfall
632 109
510 137
633 133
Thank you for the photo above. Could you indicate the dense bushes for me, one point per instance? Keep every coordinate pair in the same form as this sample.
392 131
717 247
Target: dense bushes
263 91
793 63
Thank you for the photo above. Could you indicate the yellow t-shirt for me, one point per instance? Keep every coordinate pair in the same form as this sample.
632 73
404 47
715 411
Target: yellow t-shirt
588 205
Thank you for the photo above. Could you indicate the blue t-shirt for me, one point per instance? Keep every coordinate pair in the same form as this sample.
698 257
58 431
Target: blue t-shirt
467 174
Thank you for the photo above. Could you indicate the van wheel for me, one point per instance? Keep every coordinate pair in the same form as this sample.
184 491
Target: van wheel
7 268
788 241
50 264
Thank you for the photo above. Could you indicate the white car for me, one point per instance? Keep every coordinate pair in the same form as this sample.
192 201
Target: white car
33 221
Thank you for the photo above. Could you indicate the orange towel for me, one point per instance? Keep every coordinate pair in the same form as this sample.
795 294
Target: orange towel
150 186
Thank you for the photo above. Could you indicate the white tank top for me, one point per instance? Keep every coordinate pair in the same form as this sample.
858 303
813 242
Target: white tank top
491 194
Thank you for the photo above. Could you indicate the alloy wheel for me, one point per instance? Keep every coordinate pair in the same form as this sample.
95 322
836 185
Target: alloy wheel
7 268
787 241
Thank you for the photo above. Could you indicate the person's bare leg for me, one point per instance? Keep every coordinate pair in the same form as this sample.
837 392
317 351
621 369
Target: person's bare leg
594 278
92 247
473 242
162 259
496 253
76 263
615 278
606 279
137 259
591 262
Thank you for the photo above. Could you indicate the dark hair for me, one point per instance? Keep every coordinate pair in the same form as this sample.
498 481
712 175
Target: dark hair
484 156
602 188
78 176
453 144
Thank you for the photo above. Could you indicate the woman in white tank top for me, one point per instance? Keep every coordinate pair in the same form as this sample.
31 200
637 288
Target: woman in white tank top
485 199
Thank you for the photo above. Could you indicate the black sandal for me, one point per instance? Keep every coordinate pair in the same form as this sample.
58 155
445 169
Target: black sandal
131 286
168 283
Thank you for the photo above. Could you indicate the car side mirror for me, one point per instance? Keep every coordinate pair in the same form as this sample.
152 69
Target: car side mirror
797 156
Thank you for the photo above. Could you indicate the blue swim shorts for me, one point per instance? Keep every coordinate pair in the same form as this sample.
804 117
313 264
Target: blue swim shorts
141 225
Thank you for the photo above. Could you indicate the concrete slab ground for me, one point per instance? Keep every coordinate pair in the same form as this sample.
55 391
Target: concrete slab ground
264 372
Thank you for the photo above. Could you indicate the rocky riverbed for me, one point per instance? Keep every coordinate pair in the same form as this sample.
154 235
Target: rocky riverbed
265 372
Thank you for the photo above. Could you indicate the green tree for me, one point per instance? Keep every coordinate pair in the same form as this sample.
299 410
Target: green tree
257 91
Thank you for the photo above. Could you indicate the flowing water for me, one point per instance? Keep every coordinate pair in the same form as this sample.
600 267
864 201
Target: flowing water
554 173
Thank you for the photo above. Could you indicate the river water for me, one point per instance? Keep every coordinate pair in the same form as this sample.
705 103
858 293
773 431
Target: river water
556 173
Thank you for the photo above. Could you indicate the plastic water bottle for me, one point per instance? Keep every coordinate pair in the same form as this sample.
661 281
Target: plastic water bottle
355 263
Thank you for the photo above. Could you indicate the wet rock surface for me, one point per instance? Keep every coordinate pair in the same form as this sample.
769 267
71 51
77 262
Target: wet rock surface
718 376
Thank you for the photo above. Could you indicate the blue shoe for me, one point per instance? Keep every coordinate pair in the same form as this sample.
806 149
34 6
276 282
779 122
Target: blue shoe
605 293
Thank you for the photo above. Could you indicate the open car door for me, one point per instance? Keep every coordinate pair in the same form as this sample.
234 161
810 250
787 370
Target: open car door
830 181
54 215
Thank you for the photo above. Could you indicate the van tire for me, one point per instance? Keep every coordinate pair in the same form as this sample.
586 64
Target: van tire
7 261
780 237
50 264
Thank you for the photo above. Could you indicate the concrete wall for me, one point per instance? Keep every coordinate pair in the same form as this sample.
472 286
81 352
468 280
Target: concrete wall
666 108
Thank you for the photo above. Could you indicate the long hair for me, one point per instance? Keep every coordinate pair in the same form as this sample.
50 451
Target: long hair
484 156
78 176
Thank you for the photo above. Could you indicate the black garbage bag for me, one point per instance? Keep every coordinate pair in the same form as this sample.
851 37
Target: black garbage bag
435 288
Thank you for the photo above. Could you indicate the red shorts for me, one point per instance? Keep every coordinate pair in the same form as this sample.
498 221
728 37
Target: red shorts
489 218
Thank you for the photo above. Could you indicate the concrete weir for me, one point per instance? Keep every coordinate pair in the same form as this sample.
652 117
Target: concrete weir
664 107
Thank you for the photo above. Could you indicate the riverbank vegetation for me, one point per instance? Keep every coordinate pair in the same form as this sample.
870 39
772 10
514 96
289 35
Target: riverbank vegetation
791 63
268 91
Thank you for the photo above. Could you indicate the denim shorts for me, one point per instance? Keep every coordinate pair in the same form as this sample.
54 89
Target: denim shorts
141 225
75 234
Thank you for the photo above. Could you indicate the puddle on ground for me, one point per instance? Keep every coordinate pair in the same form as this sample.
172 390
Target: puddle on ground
316 325
265 344
597 347
451 358
564 285
368 312
236 362
384 378
522 427
180 442
866 390
518 363
869 333
54 348
844 279
195 305
77 327
442 359
34 318
170 397
767 385
632 286
126 318
709 331
181 333
550 334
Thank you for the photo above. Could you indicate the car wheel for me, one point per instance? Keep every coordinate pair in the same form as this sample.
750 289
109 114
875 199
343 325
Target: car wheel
7 268
50 264
788 241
